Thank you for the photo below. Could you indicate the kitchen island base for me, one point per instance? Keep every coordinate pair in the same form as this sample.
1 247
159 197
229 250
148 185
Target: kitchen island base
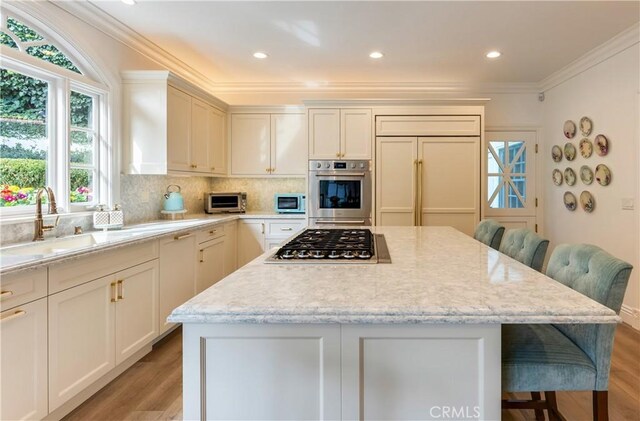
341 371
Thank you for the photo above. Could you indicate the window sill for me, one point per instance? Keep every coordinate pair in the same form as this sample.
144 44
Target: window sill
22 218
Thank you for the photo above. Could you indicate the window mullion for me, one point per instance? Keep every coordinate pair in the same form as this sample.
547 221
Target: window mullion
62 146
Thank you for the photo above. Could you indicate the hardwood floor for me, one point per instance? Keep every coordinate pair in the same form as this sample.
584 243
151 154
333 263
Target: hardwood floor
152 388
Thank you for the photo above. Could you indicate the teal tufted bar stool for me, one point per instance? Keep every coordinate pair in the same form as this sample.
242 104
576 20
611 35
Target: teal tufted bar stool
567 356
490 233
525 246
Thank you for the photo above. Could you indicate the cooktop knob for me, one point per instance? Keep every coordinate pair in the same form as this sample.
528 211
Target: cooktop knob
362 165
319 165
328 165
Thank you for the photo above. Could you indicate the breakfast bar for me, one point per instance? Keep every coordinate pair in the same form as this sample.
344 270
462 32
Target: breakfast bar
418 338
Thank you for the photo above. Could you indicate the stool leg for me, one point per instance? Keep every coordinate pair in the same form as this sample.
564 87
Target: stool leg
600 405
536 396
552 404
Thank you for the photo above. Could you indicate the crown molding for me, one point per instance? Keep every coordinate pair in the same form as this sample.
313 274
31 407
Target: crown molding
610 48
393 102
110 26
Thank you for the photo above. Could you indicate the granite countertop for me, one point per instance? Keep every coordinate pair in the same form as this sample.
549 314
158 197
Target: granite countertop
16 256
438 275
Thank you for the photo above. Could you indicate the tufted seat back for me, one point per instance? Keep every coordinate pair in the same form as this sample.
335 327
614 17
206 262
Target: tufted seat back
525 246
490 233
595 273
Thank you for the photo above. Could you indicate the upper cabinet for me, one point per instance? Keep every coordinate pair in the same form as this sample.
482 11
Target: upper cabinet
340 133
267 144
171 127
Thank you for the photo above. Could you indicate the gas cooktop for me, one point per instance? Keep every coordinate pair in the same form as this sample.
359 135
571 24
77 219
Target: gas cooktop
327 245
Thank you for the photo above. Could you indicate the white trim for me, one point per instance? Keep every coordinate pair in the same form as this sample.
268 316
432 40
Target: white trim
394 102
610 48
631 316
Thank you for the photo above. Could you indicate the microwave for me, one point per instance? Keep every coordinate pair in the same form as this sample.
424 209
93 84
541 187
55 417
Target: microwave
225 202
290 203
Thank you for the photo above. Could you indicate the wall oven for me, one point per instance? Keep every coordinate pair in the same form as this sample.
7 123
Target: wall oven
339 193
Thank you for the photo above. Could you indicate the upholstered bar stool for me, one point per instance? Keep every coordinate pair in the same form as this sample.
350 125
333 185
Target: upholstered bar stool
525 246
563 356
490 233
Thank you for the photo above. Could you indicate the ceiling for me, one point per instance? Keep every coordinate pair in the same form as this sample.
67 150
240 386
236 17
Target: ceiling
328 42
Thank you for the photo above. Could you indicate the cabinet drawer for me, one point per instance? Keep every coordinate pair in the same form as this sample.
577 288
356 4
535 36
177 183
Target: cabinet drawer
22 287
210 233
70 274
283 228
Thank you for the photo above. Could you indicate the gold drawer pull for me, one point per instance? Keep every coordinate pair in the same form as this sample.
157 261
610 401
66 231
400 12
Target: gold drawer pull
5 294
286 229
114 294
14 315
180 237
212 232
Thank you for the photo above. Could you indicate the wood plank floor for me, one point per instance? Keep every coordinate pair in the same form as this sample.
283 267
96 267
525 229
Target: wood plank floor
152 388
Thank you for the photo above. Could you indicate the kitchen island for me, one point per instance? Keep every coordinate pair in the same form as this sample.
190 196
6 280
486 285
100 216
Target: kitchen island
415 339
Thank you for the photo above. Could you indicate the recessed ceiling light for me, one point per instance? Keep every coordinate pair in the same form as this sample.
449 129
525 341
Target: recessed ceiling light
129 2
260 54
494 54
376 54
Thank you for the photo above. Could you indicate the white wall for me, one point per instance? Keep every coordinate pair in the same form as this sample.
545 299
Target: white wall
608 93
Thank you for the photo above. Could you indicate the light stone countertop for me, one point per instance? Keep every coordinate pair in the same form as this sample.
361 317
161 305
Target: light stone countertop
438 275
17 257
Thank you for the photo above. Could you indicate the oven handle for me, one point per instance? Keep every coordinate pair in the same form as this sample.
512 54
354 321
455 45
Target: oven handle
344 174
340 222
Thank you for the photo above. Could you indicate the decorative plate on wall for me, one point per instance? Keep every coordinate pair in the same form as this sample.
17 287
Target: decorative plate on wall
601 145
556 153
569 129
569 151
570 201
587 201
557 177
586 174
603 175
586 126
586 148
569 176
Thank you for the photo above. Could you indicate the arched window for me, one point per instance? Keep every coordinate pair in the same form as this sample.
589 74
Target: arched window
52 131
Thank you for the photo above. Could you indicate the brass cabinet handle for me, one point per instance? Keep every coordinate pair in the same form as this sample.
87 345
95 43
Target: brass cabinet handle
120 289
262 227
201 256
338 155
273 170
14 315
286 229
5 294
213 168
114 295
267 169
420 192
212 232
180 237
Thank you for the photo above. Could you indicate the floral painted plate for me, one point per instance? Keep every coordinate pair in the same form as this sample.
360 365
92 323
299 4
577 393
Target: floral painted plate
556 153
586 174
569 151
587 201
601 145
569 129
569 176
586 148
603 175
557 177
586 126
570 201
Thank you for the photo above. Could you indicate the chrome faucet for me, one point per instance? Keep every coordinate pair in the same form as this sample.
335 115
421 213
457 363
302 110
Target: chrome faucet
39 225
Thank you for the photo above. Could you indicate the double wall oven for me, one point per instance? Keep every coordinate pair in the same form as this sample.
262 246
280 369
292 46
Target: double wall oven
339 193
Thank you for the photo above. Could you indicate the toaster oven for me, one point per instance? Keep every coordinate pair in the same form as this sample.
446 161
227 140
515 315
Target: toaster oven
225 202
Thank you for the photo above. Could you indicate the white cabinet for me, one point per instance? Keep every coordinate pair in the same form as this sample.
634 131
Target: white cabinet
255 236
171 126
97 325
23 362
177 275
268 144
428 181
230 247
340 133
210 265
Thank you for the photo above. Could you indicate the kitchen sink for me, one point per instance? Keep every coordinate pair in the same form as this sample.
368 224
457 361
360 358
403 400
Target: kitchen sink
57 245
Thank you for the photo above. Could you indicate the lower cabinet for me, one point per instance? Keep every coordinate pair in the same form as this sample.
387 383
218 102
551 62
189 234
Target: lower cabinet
177 275
96 325
23 362
250 240
210 266
230 248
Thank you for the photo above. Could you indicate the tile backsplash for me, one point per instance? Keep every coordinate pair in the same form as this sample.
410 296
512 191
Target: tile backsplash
260 191
141 200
